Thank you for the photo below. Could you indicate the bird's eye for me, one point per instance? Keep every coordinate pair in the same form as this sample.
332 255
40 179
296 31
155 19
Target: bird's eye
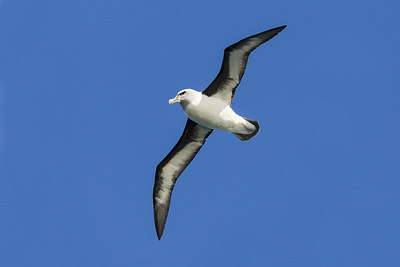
184 92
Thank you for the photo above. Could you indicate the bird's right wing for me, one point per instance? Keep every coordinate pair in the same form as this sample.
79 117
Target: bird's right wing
172 166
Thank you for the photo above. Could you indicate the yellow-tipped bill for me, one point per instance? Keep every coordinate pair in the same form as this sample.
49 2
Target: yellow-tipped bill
174 100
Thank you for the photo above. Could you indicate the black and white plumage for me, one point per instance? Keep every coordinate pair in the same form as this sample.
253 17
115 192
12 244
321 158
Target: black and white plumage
207 110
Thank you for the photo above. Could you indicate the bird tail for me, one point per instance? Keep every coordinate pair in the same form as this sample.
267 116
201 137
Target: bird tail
245 137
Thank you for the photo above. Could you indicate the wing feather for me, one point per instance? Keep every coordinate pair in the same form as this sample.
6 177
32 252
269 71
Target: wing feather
169 169
234 65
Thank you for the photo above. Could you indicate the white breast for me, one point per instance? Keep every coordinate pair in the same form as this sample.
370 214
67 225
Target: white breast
215 114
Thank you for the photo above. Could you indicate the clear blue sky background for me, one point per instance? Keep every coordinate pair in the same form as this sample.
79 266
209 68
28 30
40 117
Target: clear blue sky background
85 120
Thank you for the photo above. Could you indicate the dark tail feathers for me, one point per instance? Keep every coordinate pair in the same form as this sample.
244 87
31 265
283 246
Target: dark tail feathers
245 137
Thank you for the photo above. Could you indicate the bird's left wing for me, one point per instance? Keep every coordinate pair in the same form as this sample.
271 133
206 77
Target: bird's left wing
169 169
234 65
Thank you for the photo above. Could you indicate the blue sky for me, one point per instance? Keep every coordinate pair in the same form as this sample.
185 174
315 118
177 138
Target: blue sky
85 120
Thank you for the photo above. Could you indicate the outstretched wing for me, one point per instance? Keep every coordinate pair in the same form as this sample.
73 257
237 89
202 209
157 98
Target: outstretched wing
169 169
234 65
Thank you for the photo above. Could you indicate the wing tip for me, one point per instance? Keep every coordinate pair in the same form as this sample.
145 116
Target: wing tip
279 29
159 227
159 234
160 218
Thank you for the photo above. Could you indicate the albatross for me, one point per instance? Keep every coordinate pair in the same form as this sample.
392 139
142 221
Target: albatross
206 111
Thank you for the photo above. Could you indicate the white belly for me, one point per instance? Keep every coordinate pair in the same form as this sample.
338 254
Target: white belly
215 114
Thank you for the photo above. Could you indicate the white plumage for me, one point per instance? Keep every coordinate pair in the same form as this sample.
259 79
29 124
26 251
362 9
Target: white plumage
207 111
212 113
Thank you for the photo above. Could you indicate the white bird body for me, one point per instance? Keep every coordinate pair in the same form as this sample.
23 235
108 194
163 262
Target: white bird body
213 113
207 111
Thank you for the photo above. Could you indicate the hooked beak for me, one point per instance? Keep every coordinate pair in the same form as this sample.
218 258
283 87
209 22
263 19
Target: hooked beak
174 100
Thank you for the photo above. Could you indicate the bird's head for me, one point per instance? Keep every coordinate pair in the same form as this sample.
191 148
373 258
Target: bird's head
186 95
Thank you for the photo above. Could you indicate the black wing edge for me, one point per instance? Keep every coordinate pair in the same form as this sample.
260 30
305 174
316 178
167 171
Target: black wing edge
222 74
161 210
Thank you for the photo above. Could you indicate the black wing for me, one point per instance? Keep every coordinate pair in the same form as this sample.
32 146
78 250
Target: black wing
234 65
169 169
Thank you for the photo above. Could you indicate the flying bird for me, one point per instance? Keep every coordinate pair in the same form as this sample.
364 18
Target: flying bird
207 111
